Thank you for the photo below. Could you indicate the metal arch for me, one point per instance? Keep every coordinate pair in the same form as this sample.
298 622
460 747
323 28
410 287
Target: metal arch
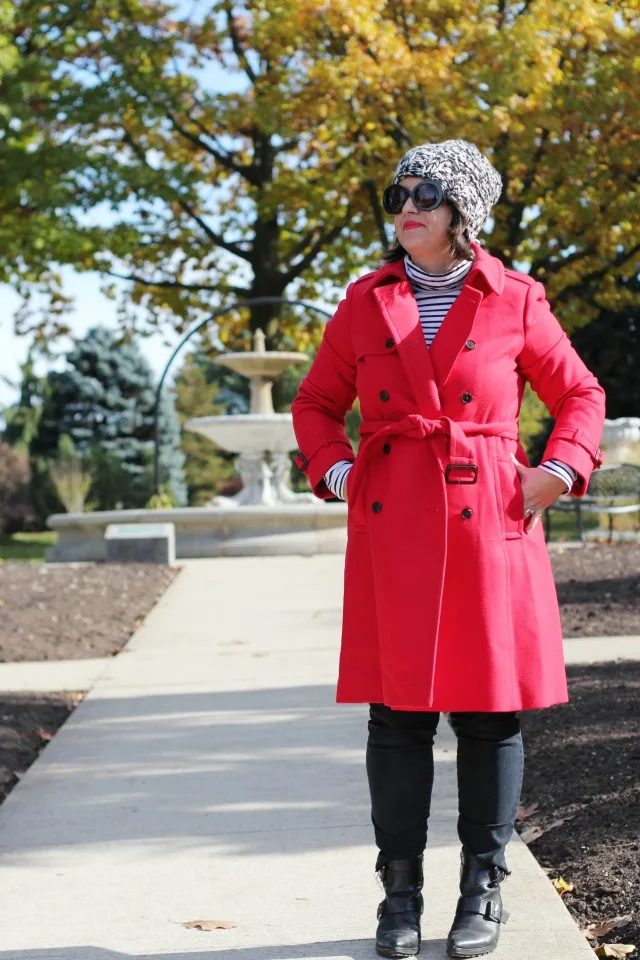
214 316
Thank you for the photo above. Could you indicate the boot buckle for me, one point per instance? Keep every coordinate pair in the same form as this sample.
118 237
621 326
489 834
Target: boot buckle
492 911
487 909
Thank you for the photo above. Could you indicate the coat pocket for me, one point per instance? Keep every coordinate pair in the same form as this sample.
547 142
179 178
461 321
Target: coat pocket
379 378
511 499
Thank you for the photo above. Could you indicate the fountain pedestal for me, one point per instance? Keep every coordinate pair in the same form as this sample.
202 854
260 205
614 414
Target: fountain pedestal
262 438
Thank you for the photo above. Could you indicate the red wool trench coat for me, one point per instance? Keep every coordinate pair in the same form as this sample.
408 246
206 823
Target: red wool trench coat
449 604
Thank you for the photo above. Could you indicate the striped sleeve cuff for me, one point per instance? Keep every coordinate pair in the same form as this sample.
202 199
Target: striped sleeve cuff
561 470
336 478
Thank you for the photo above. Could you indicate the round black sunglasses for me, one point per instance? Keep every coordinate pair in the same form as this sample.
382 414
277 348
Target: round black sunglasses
426 195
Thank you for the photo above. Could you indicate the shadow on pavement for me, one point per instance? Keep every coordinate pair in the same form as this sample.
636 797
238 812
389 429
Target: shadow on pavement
330 950
209 768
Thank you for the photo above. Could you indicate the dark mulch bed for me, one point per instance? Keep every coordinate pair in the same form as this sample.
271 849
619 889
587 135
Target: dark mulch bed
27 722
583 763
598 589
71 612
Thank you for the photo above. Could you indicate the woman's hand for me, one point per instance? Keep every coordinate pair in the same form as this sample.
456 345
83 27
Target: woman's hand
540 489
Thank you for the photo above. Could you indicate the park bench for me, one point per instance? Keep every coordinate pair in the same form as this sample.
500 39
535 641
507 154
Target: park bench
613 489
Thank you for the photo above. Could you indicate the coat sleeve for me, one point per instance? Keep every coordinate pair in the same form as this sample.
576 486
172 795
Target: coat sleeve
566 386
325 395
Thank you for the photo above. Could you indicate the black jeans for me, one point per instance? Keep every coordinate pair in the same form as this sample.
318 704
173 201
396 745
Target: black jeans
490 762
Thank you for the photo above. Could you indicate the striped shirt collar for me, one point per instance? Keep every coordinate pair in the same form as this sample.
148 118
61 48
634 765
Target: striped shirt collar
453 278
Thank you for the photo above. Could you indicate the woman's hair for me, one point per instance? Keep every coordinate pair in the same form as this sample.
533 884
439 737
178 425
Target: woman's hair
460 246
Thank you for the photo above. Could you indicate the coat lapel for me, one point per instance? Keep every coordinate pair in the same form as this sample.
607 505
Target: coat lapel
428 369
454 332
400 312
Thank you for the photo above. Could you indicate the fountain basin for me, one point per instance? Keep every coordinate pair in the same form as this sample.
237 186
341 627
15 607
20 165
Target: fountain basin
260 364
248 433
304 529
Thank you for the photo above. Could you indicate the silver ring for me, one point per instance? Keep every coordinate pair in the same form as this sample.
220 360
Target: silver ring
529 511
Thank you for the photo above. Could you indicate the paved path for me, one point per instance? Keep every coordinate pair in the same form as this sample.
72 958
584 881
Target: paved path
44 676
210 775
598 649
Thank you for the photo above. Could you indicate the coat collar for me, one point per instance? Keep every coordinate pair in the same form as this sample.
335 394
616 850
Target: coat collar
485 267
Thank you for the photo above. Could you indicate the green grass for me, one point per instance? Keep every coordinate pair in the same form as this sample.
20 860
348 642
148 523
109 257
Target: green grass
27 547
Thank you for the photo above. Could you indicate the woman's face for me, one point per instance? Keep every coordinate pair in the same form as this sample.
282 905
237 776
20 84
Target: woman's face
422 232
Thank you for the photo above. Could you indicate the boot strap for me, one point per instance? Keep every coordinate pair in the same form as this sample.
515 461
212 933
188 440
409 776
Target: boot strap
488 909
398 905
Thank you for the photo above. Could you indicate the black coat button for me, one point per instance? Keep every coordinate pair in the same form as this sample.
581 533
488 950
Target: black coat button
467 513
470 344
386 448
383 395
390 343
466 398
376 506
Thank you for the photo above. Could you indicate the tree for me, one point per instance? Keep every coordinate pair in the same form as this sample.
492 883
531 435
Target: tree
42 164
104 401
16 508
610 346
22 418
274 186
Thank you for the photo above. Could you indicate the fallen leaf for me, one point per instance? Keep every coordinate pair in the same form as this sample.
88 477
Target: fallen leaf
209 925
616 950
602 929
558 823
45 734
562 886
525 812
528 836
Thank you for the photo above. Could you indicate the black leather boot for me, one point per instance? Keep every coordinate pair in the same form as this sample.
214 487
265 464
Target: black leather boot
476 926
398 933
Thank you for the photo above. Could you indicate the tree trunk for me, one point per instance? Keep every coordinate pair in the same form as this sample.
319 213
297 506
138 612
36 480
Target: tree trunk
267 280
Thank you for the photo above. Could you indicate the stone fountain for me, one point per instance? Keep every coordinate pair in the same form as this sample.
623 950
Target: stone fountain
262 438
265 518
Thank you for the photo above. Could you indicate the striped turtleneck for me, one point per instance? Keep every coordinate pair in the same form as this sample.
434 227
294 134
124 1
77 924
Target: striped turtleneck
434 294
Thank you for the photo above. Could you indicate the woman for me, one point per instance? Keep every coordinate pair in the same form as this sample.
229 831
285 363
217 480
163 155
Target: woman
449 598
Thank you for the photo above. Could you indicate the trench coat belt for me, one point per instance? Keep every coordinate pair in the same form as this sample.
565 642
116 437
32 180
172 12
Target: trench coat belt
459 450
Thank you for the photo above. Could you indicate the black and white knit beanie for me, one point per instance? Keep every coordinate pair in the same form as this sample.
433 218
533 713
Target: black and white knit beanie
467 177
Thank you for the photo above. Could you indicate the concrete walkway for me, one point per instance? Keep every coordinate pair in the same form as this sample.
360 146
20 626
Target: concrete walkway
599 649
44 676
210 775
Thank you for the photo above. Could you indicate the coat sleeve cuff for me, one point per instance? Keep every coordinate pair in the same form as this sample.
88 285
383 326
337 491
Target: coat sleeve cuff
577 456
316 467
